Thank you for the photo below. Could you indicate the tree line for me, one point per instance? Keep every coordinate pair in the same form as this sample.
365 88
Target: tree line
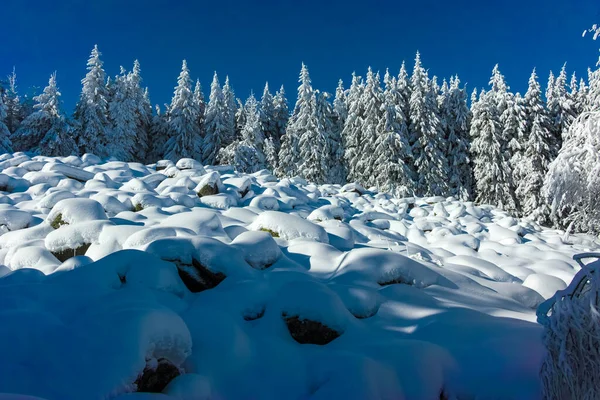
411 135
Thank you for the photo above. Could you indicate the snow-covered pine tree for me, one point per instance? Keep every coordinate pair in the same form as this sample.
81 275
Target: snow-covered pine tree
593 91
282 115
267 114
393 163
240 118
122 116
302 121
12 101
456 115
216 123
567 107
553 113
46 131
143 113
515 132
158 134
340 107
5 144
491 170
327 127
245 154
184 131
403 87
351 134
363 163
538 153
431 164
91 112
231 106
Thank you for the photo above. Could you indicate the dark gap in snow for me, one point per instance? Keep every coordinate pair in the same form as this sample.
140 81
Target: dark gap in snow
208 190
65 254
395 281
252 315
306 331
138 207
155 378
198 278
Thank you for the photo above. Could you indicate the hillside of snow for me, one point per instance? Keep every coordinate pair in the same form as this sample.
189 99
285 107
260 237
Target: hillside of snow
120 279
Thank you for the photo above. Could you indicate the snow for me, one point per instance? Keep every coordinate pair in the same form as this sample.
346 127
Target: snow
438 298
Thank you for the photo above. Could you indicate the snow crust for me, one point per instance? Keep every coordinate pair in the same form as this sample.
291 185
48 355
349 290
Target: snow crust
430 298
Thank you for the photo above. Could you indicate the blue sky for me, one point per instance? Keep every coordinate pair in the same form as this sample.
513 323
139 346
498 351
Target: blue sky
256 41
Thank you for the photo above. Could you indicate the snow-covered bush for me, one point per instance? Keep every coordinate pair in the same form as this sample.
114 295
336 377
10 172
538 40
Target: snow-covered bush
572 184
572 339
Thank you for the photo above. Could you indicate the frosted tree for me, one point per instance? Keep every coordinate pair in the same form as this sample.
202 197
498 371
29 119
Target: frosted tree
201 107
431 164
158 134
12 101
5 143
91 112
231 106
122 135
491 170
268 121
538 153
46 131
362 163
302 121
271 159
142 111
245 154
216 123
351 134
593 91
403 87
515 132
393 164
184 131
240 118
456 117
329 130
340 107
553 113
282 116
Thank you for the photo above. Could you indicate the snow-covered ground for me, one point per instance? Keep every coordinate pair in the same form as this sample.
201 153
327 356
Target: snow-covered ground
262 288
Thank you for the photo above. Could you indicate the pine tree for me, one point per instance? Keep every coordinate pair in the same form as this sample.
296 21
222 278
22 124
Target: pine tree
566 104
282 115
340 107
184 140
240 118
246 154
5 144
351 134
268 121
393 172
142 111
159 134
46 131
122 116
329 130
12 102
363 163
302 124
491 170
91 112
230 133
538 153
515 132
427 137
403 87
554 113
216 123
456 116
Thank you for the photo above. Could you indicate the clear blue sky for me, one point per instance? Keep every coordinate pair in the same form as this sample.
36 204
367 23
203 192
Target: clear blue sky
256 41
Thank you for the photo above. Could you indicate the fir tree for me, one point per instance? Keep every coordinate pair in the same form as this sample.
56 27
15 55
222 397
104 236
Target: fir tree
142 112
91 112
491 170
431 164
515 131
403 87
268 120
5 144
230 133
158 134
282 116
538 153
46 131
184 140
301 124
393 161
245 154
12 102
330 132
351 134
216 123
122 116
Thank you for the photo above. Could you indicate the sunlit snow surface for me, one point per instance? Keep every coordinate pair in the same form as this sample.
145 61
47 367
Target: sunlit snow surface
429 296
